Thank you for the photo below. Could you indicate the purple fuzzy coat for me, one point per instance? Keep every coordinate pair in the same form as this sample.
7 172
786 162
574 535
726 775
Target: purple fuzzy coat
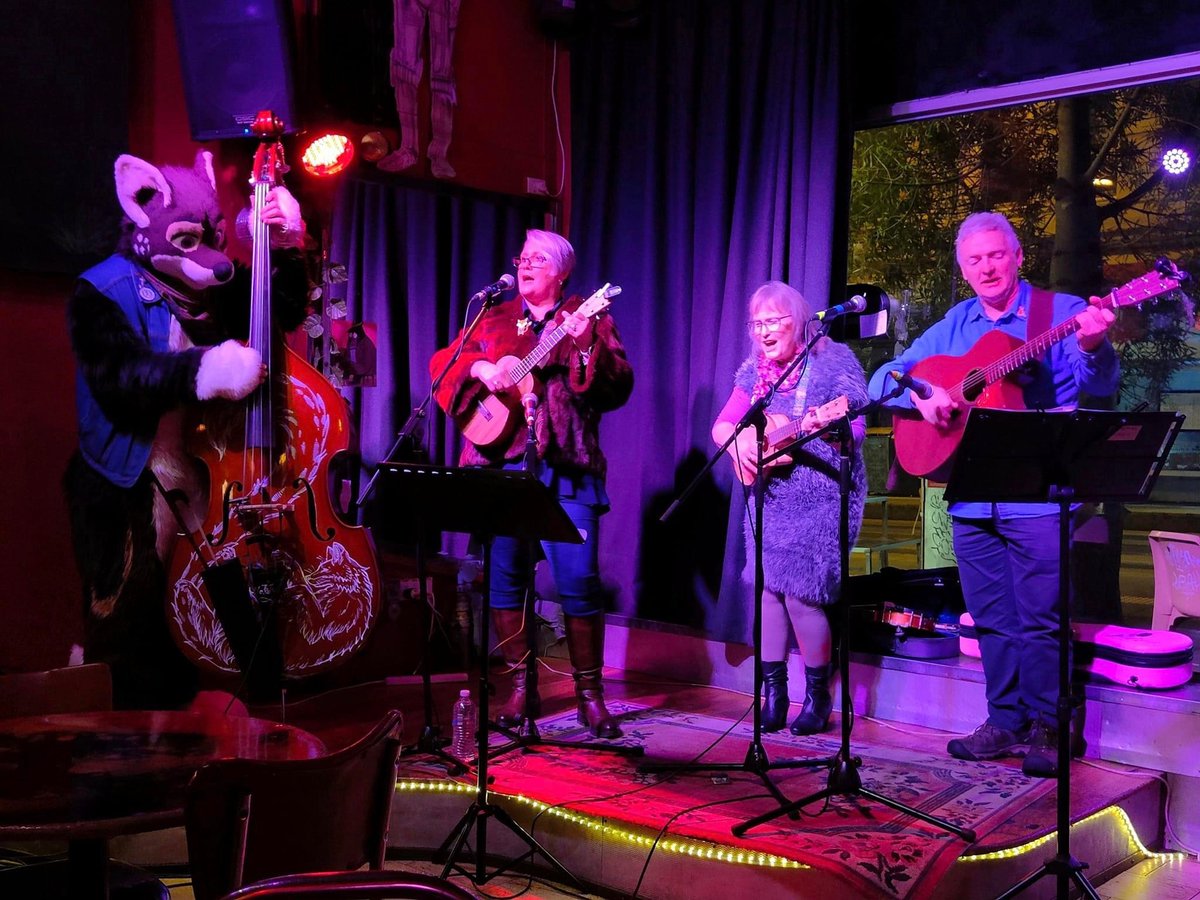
801 509
574 394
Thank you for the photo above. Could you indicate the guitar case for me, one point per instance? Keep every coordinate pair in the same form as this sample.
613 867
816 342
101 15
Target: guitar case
885 604
1135 657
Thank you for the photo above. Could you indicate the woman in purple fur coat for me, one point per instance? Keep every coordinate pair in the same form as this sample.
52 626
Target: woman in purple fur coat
801 556
585 375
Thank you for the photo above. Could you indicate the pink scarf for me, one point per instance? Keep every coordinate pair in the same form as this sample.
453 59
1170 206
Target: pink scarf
769 372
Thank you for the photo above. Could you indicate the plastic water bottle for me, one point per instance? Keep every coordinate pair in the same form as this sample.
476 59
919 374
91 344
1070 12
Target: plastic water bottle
462 746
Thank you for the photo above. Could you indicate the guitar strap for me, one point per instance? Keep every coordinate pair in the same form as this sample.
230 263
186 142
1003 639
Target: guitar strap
1041 312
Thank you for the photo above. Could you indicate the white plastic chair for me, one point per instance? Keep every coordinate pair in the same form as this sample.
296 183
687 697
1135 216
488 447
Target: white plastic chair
1176 559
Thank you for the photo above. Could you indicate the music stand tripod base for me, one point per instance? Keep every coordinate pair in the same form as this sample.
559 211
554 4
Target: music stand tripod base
489 503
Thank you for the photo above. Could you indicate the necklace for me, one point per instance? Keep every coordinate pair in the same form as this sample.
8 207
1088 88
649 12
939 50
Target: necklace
527 321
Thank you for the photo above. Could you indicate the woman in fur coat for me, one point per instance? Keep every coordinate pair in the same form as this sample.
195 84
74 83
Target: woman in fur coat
801 556
585 375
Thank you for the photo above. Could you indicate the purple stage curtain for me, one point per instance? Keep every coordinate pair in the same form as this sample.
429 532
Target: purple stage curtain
414 256
705 148
705 142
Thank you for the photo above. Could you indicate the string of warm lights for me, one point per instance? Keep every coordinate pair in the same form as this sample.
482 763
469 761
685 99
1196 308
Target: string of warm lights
682 847
742 856
1123 823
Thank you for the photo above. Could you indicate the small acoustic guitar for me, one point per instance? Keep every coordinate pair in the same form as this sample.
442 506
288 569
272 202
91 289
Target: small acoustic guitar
493 416
982 377
784 430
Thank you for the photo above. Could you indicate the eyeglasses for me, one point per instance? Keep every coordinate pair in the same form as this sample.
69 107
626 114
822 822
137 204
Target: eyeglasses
537 261
765 326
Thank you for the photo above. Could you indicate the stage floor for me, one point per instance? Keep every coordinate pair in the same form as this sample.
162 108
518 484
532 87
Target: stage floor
668 834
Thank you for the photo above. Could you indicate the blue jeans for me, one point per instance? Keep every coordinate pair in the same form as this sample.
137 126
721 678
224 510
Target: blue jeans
1009 569
575 567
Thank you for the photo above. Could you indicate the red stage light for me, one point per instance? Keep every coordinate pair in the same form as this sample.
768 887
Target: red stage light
327 155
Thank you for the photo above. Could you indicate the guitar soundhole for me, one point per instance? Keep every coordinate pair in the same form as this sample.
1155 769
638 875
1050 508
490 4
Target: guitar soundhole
973 386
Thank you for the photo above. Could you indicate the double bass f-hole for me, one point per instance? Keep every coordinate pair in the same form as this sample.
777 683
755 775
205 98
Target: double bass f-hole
244 506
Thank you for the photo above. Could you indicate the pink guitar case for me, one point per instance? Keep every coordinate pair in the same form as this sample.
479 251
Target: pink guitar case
1134 657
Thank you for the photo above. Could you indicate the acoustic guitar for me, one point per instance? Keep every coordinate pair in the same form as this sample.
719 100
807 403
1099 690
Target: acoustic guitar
493 416
784 430
982 377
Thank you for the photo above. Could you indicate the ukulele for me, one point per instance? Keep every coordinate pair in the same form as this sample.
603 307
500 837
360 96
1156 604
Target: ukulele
981 377
493 416
784 430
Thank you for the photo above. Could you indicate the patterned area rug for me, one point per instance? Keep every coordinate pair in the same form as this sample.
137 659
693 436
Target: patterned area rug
877 851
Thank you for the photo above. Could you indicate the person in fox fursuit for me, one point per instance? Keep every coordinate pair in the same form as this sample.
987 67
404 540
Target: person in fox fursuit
802 504
150 328
585 375
1008 554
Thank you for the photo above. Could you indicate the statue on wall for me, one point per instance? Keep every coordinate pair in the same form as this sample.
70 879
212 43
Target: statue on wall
407 66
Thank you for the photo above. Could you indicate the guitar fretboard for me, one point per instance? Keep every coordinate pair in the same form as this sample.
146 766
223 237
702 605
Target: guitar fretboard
1144 288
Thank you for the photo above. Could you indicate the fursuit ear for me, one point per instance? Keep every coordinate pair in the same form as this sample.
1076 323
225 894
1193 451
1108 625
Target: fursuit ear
204 167
134 176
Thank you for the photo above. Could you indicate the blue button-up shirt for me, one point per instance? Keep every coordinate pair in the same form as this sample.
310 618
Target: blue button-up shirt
1056 379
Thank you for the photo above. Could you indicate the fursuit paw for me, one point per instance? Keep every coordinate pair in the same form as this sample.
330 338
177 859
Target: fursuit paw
229 370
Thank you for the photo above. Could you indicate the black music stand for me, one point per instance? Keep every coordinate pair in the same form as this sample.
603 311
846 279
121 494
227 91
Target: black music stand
1061 457
490 503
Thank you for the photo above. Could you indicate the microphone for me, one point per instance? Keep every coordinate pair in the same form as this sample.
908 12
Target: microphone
918 386
495 288
856 304
529 403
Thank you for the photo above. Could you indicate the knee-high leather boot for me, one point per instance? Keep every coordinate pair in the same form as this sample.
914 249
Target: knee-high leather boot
775 696
585 643
818 704
510 631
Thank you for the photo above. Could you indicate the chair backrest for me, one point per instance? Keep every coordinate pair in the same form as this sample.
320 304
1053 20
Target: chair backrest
247 820
387 885
1176 559
86 688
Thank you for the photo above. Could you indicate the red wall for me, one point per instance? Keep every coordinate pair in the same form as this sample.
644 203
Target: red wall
503 134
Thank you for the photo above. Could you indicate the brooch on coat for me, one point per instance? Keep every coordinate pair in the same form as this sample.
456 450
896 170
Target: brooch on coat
524 324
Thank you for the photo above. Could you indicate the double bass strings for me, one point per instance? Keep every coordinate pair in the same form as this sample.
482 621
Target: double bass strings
259 414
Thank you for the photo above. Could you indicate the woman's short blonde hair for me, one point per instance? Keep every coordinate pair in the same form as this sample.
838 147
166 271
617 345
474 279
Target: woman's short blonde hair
556 247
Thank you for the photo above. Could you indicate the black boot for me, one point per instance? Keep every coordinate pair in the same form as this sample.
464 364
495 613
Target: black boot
585 642
510 632
814 715
775 696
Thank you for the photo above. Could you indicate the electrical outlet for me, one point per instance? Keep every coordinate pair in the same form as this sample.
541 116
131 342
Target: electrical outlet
536 186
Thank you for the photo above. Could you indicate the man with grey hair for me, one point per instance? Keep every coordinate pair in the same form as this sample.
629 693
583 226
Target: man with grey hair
1008 553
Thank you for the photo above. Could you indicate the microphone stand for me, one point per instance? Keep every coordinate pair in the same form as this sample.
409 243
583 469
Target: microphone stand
430 741
756 761
843 767
528 735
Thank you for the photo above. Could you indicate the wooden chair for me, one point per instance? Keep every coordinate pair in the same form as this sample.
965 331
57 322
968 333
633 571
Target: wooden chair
382 885
86 688
1176 560
247 820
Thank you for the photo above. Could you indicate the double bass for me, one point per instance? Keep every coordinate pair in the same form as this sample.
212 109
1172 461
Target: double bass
271 575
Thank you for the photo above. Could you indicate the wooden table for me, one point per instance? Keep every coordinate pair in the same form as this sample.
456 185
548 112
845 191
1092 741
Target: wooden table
86 777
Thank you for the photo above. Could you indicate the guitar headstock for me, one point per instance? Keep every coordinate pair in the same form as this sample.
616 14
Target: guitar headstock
1162 279
599 301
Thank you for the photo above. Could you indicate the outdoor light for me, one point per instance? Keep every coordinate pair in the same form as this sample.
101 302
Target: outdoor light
1176 161
327 155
